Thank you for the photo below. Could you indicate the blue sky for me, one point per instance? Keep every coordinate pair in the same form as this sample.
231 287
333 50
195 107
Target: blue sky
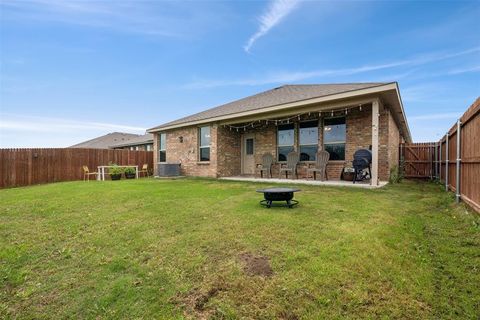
73 70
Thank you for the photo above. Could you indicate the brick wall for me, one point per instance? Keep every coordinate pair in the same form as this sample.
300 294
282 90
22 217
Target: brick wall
225 152
383 165
393 142
185 151
229 152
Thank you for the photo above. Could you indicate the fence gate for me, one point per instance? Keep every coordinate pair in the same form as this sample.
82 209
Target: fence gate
418 160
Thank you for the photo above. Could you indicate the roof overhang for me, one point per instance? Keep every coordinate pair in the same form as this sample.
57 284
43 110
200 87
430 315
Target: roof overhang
388 93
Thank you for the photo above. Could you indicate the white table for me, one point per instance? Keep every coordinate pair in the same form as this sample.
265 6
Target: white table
101 171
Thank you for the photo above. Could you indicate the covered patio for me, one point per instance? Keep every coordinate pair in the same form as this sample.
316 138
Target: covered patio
340 128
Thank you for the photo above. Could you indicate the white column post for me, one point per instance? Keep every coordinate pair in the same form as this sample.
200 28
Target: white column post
375 121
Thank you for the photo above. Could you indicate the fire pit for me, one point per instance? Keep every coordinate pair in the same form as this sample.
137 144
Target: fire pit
278 194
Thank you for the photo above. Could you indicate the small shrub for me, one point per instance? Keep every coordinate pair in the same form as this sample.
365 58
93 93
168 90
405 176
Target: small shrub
396 174
115 169
129 170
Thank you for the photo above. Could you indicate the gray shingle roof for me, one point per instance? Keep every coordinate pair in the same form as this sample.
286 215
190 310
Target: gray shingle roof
273 97
105 141
135 141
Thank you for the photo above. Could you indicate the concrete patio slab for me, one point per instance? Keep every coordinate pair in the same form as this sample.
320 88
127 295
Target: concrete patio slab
332 183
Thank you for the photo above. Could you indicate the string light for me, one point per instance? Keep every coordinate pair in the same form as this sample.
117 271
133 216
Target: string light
258 123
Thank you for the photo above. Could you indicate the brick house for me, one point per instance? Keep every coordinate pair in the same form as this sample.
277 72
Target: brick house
229 140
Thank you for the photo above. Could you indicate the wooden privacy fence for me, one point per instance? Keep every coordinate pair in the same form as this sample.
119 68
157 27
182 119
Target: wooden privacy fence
454 160
23 167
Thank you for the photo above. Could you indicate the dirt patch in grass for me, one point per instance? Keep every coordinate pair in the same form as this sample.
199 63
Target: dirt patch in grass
195 302
254 265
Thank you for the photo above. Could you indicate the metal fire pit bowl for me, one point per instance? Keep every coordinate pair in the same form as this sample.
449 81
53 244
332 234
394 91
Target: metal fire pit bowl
278 194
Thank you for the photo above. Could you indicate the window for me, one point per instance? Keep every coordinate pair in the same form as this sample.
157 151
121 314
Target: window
162 147
285 140
308 140
149 147
204 145
334 137
249 146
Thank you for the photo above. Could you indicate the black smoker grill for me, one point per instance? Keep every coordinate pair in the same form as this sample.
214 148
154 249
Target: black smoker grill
362 160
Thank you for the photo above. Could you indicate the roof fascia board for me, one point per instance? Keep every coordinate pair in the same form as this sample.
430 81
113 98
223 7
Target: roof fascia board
397 90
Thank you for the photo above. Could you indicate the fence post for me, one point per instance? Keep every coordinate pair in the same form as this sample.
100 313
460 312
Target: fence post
457 195
440 161
400 158
446 162
430 158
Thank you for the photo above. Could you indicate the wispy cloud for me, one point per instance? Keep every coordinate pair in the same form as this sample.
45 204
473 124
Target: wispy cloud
138 17
57 125
464 70
275 13
283 77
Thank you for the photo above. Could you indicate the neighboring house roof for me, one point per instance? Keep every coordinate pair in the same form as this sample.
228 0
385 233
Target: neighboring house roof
105 141
285 97
135 141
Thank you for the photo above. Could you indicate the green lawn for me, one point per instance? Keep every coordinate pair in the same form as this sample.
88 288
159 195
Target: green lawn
182 249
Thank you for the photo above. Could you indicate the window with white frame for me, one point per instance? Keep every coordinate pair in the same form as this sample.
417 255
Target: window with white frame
204 144
334 137
149 147
285 140
162 147
308 140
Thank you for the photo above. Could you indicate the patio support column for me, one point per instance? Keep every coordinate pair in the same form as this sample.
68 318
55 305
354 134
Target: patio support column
375 121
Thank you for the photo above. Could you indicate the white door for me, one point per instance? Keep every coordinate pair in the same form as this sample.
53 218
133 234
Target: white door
248 153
